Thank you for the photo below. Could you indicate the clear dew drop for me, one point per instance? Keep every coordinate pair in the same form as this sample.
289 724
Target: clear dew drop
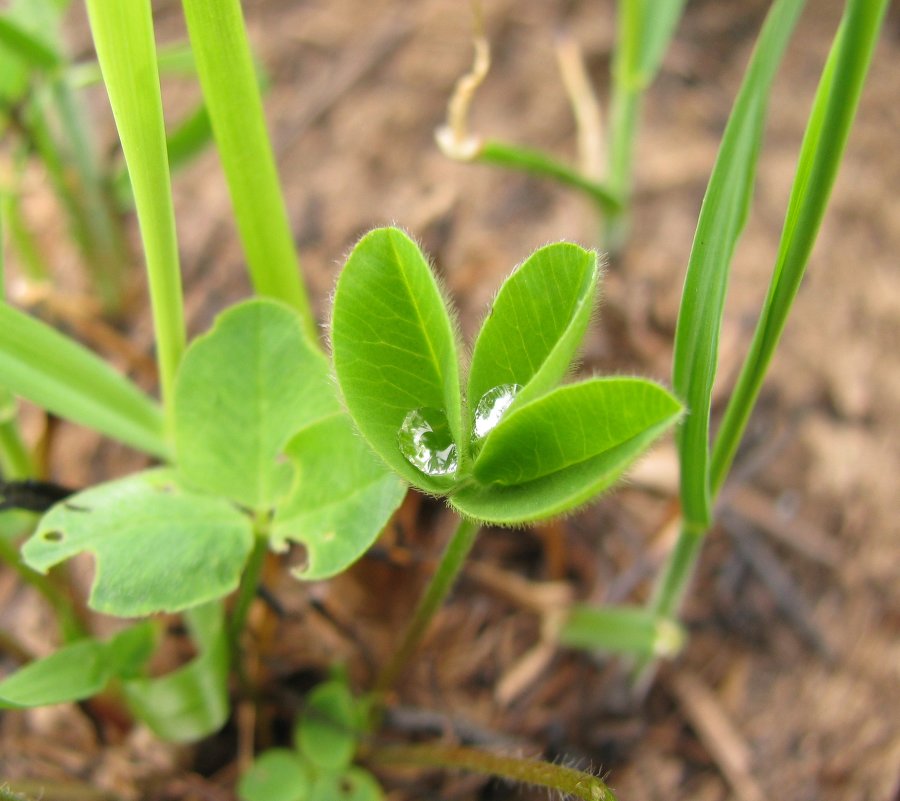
427 443
492 407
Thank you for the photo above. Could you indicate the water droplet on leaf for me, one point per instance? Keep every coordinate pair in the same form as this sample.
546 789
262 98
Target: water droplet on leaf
492 406
427 443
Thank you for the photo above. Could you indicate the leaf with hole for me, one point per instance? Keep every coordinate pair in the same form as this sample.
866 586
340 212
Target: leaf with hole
157 546
342 498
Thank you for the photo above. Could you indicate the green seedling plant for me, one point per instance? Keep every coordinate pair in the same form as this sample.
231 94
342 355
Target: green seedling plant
259 442
644 29
326 738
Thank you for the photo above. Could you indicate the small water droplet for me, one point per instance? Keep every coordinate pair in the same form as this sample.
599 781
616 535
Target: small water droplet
492 407
427 443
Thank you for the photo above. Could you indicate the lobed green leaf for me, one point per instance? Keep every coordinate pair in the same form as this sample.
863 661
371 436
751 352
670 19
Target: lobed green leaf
62 376
342 498
571 425
242 391
536 323
393 345
157 547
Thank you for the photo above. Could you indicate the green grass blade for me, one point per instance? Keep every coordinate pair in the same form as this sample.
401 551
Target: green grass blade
58 374
820 156
621 630
659 18
123 37
231 90
721 221
30 48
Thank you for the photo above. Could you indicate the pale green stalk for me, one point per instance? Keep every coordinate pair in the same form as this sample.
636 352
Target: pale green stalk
123 37
231 90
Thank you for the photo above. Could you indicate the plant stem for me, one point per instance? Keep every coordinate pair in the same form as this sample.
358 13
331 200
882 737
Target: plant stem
564 780
247 590
442 581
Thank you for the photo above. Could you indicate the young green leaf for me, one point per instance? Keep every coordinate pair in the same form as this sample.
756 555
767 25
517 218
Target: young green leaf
192 701
536 323
276 775
393 346
342 498
77 671
326 733
243 389
560 492
62 376
157 546
571 425
722 217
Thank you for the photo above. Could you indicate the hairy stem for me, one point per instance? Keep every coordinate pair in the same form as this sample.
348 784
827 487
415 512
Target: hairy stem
572 782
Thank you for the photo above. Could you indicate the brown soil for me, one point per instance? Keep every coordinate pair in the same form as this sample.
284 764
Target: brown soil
789 685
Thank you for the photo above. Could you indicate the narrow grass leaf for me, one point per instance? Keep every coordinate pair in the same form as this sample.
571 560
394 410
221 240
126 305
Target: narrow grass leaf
571 425
242 391
231 91
658 21
722 217
192 701
536 323
123 37
823 146
56 373
393 345
343 496
28 46
156 546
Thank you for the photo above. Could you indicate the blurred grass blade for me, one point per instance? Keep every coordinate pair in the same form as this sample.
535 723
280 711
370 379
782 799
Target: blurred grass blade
722 217
60 375
658 21
820 156
621 630
230 87
123 37
30 48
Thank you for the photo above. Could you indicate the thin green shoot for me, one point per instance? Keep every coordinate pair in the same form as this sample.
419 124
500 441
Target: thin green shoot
123 37
231 90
